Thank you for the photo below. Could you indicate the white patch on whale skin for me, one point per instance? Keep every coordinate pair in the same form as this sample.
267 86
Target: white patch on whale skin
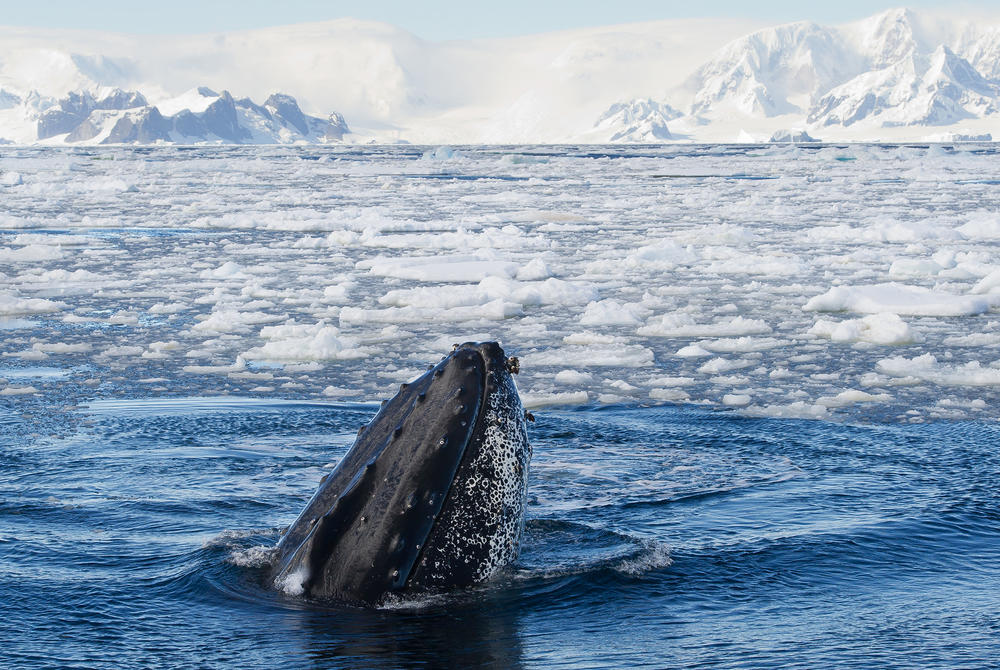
495 487
505 442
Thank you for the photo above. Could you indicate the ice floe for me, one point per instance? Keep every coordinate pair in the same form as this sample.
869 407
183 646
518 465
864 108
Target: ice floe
265 272
883 328
899 299
928 368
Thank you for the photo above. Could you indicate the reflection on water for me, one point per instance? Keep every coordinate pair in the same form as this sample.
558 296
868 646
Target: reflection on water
480 635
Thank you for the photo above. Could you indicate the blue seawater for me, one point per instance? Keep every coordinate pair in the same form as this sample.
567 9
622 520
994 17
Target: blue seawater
136 533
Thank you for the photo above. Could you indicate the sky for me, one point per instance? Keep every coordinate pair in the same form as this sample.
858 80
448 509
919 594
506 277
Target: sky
435 20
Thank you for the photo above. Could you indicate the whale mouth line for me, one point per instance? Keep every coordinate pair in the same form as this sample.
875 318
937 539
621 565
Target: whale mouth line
483 363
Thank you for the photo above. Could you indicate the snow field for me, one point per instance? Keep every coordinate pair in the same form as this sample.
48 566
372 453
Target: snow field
833 289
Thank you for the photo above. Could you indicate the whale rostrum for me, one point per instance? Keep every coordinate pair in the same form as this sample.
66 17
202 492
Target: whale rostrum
431 495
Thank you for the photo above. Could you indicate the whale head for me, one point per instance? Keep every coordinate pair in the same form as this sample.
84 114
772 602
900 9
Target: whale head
431 495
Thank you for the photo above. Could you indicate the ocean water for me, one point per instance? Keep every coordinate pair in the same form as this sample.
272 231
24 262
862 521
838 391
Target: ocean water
136 533
765 382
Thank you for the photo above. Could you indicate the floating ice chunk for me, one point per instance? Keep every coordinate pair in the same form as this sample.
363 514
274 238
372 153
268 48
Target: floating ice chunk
885 230
719 365
986 227
588 337
62 347
973 340
882 328
124 318
988 284
898 299
31 253
228 270
662 255
68 240
671 382
593 355
795 410
167 308
729 380
534 400
906 268
740 344
338 392
573 377
851 397
436 297
751 264
443 153
439 268
158 350
254 376
336 238
976 403
11 305
669 395
534 270
507 237
61 276
494 310
234 321
302 342
491 289
682 325
610 312
549 292
338 294
927 368
19 390
28 355
11 179
720 234
736 400
693 351
239 364
122 351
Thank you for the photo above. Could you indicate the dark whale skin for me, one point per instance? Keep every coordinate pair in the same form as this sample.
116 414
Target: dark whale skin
431 495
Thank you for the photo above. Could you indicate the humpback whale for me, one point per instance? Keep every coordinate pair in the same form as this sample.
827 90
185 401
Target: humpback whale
430 496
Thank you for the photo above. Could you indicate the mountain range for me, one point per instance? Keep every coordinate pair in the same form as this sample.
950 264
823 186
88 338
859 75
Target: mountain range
898 75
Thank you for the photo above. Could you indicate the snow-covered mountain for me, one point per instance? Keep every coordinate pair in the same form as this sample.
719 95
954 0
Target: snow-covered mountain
898 69
641 121
114 116
936 90
898 75
771 72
